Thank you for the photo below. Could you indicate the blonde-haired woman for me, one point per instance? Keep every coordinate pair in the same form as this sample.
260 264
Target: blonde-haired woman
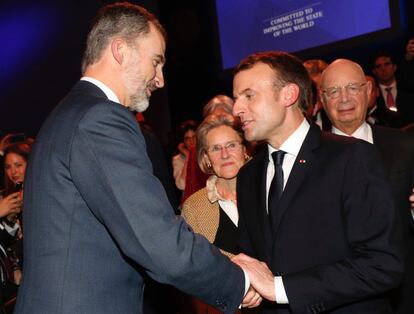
212 211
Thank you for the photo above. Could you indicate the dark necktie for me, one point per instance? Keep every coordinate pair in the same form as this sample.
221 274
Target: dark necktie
276 187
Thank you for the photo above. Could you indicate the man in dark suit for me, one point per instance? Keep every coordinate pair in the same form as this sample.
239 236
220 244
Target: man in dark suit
96 219
395 102
348 116
331 240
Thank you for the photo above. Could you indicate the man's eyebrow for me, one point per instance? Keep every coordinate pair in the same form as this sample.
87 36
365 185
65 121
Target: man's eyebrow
244 91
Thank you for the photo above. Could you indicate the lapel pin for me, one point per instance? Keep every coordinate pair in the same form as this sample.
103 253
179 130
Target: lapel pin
302 161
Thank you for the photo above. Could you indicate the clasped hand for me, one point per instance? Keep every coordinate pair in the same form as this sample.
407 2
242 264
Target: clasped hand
261 280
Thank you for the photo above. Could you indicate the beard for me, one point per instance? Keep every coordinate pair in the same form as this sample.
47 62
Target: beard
139 101
137 88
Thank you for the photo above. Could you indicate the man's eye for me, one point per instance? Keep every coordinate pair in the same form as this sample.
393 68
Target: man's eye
333 92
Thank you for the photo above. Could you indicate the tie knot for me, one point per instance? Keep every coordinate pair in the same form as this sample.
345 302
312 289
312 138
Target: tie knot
278 157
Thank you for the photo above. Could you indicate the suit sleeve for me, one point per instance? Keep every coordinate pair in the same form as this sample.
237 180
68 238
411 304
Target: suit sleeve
374 263
111 170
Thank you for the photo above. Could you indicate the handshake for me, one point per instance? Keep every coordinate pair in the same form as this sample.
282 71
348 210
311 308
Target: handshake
261 280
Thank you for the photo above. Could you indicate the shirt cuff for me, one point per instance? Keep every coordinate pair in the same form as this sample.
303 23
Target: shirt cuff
246 285
246 282
281 297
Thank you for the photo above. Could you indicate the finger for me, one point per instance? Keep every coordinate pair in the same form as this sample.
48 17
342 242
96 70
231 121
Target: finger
254 301
257 303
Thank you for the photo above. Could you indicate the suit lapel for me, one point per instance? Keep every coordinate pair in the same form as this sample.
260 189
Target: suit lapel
300 168
258 213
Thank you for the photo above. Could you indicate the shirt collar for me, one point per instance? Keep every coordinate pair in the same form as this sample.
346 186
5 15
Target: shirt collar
364 132
294 142
108 92
212 193
393 85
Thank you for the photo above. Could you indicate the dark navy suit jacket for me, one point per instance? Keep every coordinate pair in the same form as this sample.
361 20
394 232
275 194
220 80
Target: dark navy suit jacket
336 236
96 219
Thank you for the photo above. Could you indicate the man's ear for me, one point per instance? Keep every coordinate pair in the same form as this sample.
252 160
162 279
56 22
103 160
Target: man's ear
369 88
290 94
118 50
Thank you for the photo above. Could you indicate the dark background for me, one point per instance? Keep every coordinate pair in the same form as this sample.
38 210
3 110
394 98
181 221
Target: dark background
43 41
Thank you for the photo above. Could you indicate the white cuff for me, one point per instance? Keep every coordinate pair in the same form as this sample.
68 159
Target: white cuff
281 297
246 282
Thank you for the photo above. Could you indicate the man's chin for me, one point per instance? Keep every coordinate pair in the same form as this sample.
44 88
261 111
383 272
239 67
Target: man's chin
139 106
142 108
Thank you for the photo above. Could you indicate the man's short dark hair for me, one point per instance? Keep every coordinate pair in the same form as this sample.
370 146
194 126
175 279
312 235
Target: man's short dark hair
287 69
383 54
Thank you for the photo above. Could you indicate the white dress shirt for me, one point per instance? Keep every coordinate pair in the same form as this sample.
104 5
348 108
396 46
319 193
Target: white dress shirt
291 146
364 132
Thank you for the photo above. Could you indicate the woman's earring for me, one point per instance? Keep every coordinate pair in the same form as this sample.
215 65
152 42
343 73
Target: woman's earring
208 165
247 157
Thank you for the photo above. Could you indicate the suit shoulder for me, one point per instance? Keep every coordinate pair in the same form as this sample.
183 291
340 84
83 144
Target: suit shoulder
339 142
331 138
392 136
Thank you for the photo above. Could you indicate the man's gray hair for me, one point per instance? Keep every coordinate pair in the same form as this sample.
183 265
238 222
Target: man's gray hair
122 19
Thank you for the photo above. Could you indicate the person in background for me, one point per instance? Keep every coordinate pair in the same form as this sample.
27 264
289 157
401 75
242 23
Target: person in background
5 141
212 211
16 156
195 178
315 207
221 152
96 220
347 109
315 111
218 104
373 114
187 138
11 255
394 102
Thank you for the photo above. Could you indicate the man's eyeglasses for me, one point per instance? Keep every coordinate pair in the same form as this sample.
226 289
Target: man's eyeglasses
351 89
229 147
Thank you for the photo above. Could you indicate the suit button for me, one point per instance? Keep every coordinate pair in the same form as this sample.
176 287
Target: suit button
222 306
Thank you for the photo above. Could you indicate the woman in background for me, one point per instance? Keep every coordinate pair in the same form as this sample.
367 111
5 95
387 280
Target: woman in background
212 211
186 134
15 161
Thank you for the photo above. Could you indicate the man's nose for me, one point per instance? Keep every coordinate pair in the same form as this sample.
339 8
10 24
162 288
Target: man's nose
237 110
159 79
343 94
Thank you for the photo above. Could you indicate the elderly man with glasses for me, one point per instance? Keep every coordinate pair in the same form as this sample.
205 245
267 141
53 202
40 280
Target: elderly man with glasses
345 96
